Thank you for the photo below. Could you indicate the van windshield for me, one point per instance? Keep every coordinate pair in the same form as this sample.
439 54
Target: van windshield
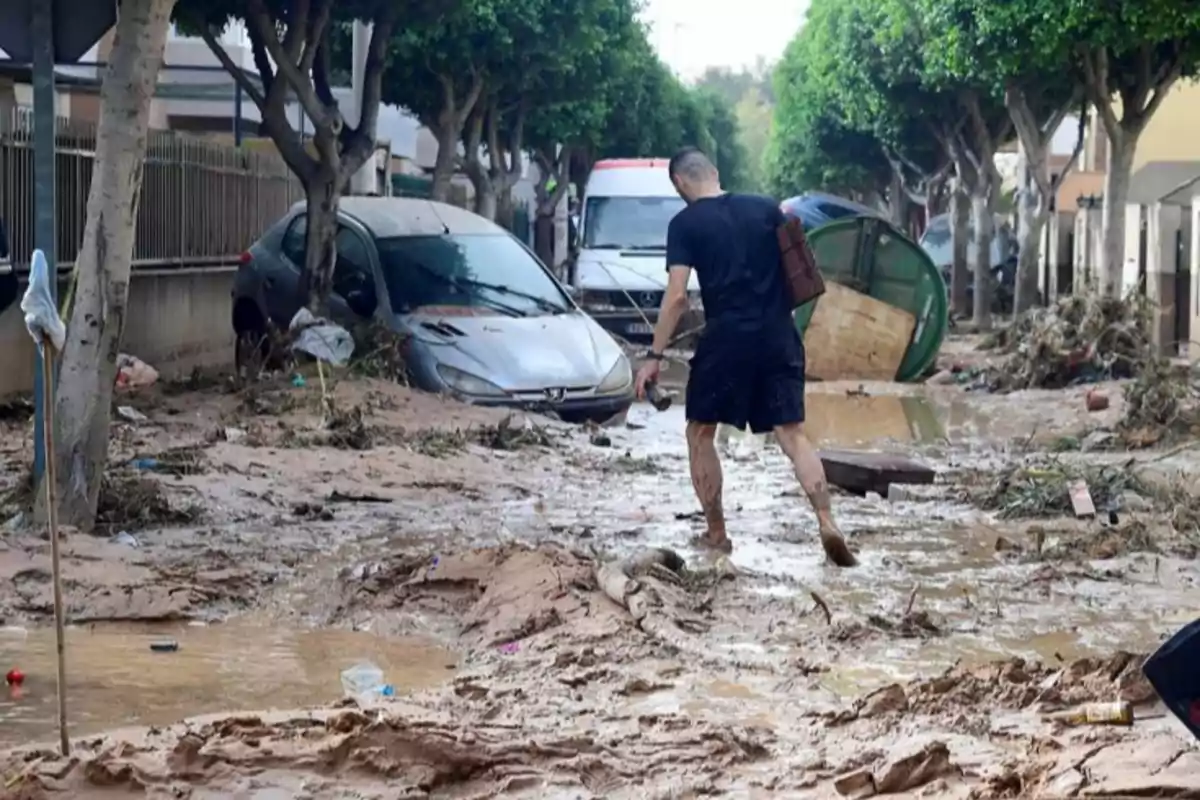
629 223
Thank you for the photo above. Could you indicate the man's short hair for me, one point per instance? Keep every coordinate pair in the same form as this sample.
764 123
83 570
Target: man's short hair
691 164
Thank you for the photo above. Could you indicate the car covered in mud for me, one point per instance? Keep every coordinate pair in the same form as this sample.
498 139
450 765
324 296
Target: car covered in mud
481 318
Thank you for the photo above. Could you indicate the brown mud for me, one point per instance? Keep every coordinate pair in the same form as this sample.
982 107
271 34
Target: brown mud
471 553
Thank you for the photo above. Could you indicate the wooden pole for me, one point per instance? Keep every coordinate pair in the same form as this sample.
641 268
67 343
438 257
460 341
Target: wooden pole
60 612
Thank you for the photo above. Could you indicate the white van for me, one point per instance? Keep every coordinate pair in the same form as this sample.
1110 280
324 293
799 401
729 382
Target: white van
620 268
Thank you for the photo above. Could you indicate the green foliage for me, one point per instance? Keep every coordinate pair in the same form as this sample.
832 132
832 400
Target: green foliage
811 146
750 97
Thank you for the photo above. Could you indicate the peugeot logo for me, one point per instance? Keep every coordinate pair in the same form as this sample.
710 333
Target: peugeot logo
649 299
555 395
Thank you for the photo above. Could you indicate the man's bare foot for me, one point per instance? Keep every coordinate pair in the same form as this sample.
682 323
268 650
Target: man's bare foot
836 549
719 542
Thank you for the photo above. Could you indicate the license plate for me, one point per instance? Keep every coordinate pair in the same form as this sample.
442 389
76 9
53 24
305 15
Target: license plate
640 328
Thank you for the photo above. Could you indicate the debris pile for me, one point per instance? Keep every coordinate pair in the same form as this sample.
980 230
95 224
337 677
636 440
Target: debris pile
1079 339
1160 404
132 501
1042 488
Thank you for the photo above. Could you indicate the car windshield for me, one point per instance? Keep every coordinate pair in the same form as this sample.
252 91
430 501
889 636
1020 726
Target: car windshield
483 270
629 223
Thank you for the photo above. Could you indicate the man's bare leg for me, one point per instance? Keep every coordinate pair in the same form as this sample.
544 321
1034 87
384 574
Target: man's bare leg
811 474
707 481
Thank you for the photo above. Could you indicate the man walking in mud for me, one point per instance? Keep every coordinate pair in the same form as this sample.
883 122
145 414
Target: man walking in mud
748 368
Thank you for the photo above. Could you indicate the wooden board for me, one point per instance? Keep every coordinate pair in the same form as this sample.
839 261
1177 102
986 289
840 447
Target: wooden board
855 337
859 472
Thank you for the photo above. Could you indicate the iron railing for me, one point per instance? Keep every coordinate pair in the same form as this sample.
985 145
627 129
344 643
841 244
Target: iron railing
202 202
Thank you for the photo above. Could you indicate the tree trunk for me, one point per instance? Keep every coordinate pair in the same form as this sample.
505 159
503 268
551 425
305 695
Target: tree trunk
897 202
983 231
89 360
543 237
485 198
322 194
1033 209
1122 149
443 165
960 220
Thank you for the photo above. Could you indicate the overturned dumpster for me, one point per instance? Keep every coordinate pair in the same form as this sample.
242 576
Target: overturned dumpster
885 313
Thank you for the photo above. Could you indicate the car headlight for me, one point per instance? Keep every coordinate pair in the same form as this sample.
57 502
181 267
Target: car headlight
618 378
468 384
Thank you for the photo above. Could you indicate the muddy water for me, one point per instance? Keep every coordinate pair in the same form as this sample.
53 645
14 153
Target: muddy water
115 679
987 606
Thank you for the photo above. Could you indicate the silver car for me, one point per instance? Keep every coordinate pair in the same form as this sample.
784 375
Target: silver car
483 319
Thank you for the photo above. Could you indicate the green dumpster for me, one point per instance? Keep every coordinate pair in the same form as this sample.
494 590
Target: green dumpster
869 255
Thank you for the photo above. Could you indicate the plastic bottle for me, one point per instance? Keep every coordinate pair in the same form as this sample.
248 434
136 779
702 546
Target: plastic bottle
1114 713
364 683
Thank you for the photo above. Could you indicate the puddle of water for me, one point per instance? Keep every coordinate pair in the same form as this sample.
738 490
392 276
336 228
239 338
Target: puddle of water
115 680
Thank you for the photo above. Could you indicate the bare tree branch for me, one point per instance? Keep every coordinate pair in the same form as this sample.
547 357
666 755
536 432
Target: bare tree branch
239 75
260 18
1057 180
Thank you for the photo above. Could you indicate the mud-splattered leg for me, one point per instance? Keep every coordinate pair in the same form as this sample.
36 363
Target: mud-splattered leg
707 481
811 474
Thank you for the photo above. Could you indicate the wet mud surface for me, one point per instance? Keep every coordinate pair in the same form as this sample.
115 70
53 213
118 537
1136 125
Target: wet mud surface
469 554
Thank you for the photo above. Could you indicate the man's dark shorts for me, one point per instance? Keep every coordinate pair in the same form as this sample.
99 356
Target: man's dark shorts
741 379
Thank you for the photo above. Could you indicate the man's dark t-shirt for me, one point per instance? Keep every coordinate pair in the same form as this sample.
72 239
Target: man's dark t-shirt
748 368
731 242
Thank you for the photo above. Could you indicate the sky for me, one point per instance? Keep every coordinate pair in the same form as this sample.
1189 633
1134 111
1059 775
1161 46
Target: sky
691 35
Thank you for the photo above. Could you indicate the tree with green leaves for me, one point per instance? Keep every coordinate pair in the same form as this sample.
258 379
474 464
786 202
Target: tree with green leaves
811 145
971 42
291 44
867 56
568 125
1130 53
559 76
750 95
721 124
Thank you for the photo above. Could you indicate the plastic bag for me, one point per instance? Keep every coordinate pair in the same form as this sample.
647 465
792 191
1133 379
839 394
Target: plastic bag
41 313
133 373
321 339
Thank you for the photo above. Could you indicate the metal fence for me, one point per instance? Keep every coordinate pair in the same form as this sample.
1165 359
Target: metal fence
201 202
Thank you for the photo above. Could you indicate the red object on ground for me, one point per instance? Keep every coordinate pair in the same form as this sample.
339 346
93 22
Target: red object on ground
1096 401
14 677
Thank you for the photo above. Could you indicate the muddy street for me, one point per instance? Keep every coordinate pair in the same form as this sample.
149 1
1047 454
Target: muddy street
472 555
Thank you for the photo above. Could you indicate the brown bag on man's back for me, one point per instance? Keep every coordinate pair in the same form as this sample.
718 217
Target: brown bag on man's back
800 271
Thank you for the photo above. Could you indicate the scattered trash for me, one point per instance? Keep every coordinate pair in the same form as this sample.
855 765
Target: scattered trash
234 435
1081 499
1095 401
364 682
321 339
131 414
298 381
126 538
1114 713
164 646
14 677
601 440
144 464
946 377
133 373
1042 488
1160 403
1082 338
509 648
